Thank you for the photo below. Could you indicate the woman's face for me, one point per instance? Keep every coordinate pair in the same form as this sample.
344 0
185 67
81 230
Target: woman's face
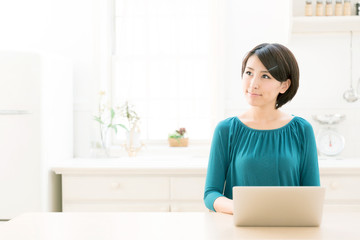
260 87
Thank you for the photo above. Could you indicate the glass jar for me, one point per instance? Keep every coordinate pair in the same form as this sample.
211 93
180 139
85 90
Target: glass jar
319 8
347 8
308 8
338 8
328 8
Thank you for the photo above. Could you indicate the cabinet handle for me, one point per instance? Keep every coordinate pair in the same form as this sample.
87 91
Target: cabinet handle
115 185
13 112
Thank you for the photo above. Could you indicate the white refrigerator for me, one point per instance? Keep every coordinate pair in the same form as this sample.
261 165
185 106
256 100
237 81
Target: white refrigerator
35 130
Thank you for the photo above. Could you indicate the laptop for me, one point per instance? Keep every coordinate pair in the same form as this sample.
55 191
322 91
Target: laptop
278 206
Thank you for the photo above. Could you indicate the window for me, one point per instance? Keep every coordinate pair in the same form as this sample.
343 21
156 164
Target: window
163 64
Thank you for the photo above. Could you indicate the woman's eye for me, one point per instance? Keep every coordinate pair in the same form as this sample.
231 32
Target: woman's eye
266 76
248 73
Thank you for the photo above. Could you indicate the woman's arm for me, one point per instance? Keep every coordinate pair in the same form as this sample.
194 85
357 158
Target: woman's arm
224 205
309 165
217 166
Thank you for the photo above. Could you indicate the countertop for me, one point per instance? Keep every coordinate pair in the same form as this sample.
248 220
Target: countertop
339 222
173 165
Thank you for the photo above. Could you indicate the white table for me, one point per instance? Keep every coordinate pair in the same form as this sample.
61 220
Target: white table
339 222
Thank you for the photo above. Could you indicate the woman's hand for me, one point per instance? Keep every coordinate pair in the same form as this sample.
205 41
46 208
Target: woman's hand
224 205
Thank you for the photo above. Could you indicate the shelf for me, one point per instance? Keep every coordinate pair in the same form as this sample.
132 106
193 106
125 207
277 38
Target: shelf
325 24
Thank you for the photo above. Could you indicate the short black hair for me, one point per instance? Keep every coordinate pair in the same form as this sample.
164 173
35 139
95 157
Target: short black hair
281 64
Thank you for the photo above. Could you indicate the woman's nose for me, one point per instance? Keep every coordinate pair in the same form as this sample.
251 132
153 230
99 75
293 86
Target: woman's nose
254 82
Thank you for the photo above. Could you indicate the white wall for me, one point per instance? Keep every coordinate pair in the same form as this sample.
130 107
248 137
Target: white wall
325 75
244 27
75 32
23 24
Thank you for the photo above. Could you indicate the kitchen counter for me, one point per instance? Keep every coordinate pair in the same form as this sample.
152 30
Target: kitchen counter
170 183
339 222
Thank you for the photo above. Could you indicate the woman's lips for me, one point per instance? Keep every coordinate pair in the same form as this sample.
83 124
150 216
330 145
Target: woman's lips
253 94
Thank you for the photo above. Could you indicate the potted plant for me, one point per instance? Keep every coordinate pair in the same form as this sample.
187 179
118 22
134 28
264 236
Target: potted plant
178 138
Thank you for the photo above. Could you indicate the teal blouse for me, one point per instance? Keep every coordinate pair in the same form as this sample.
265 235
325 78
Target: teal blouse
243 156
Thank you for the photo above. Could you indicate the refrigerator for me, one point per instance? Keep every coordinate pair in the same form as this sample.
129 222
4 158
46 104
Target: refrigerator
35 130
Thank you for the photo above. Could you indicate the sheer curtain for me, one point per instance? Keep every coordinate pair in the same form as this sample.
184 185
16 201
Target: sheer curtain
163 63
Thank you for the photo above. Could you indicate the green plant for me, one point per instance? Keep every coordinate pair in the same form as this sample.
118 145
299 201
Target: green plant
178 133
127 111
106 117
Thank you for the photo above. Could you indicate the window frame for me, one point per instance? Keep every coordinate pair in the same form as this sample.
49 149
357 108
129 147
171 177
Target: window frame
217 89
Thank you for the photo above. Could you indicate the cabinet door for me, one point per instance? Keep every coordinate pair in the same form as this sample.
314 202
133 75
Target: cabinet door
106 187
341 189
187 194
187 188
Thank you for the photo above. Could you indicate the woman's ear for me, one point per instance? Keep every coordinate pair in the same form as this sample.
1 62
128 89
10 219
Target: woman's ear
285 86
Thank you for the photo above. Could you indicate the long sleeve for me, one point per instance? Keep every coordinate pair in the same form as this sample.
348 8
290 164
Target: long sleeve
309 175
242 156
218 165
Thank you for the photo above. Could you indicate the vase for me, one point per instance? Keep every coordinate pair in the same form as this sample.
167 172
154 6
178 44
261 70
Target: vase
178 142
103 149
133 144
97 150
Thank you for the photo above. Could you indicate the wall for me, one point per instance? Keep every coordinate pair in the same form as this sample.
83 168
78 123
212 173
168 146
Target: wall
325 75
76 30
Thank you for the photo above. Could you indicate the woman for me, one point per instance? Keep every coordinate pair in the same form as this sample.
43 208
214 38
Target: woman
262 146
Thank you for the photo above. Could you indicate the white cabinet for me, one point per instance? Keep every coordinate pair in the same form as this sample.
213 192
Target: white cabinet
135 185
104 187
341 178
172 186
115 193
342 189
186 193
132 193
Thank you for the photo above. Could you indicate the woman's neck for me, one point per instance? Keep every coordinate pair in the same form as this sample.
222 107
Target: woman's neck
265 119
263 115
